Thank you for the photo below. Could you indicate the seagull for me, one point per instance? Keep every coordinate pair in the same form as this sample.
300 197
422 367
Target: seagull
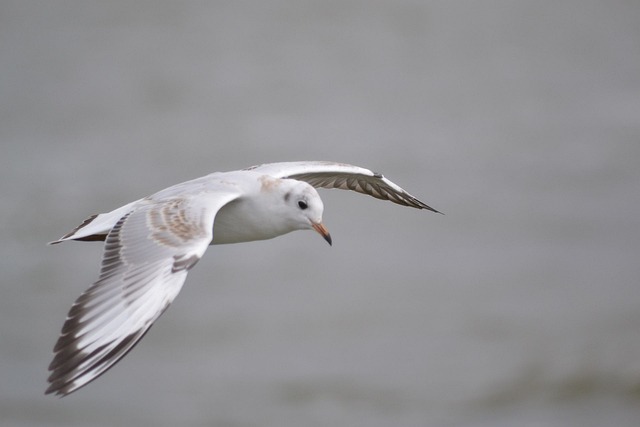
151 244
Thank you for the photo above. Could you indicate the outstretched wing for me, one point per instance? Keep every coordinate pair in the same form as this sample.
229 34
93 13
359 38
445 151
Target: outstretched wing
345 177
147 255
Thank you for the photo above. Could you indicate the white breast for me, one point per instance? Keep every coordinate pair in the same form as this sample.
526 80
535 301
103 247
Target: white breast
259 216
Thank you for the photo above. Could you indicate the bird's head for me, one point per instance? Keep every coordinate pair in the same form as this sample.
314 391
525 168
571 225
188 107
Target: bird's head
304 207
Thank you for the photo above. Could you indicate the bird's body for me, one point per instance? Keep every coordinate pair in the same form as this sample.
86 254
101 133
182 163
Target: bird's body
150 245
248 215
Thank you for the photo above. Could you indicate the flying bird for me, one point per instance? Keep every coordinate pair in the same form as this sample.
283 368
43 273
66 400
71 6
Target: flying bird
151 243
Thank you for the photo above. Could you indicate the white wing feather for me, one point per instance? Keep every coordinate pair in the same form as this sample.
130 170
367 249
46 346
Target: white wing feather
147 255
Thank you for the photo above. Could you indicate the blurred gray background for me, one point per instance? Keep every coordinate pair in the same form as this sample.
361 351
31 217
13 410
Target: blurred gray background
520 120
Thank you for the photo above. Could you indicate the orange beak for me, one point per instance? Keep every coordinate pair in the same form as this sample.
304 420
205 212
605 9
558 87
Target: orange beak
320 228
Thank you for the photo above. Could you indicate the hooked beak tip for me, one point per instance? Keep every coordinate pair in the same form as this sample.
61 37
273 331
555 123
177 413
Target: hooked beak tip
322 230
327 237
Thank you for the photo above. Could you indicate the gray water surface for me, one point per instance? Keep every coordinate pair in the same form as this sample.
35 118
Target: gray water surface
520 120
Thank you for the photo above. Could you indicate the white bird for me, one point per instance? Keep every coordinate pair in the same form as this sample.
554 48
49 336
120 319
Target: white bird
150 245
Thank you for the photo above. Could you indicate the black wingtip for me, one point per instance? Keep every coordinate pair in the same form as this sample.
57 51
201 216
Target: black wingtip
422 205
436 211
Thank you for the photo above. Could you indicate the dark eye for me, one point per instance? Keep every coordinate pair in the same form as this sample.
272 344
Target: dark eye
302 205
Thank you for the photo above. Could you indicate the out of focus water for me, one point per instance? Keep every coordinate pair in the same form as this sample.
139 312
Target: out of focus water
520 120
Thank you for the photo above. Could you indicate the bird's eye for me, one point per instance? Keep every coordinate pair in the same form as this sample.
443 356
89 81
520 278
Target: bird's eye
302 205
